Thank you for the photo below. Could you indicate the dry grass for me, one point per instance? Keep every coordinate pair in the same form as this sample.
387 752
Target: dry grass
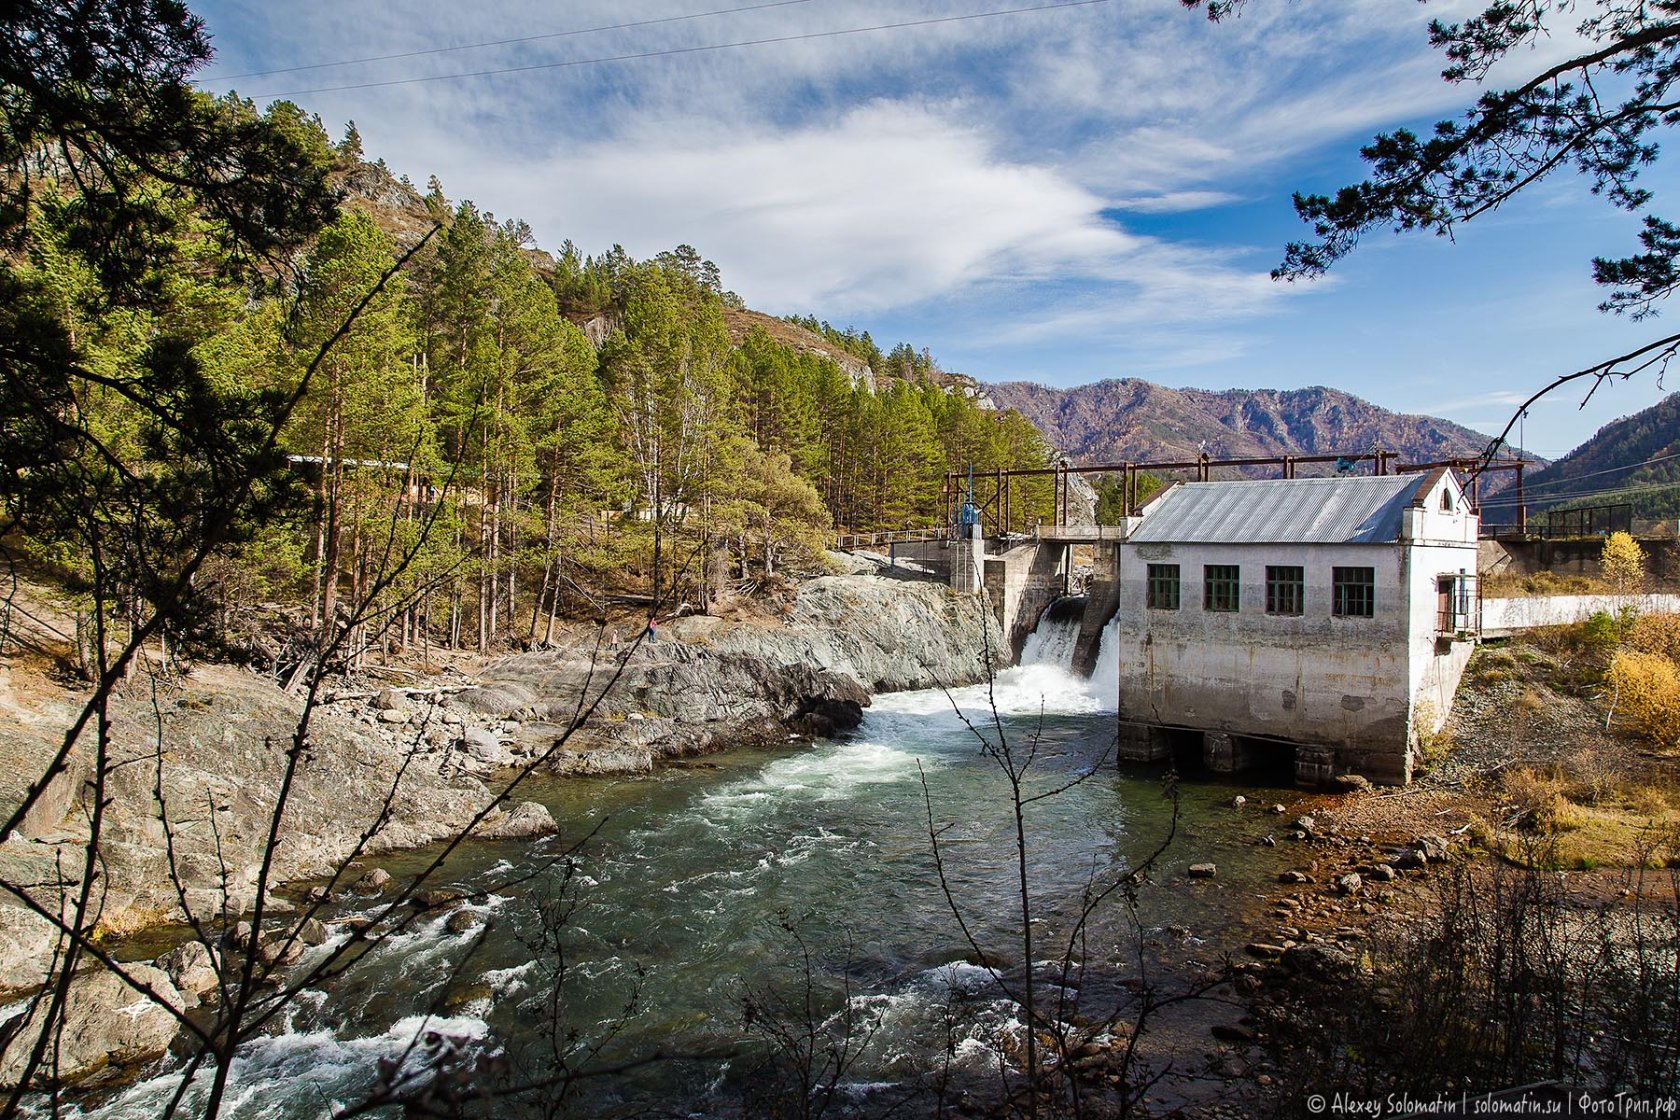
1490 666
1656 634
1538 801
1512 585
1645 695
1590 811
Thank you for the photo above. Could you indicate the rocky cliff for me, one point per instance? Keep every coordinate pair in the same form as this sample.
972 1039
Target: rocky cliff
705 682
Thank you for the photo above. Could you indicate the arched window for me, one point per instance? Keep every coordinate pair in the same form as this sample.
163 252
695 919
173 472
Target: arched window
1446 499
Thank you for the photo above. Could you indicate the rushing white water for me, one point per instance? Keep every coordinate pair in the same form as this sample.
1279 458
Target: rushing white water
691 877
1053 639
1043 683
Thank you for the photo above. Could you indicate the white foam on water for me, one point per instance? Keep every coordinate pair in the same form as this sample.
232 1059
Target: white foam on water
1043 683
829 772
959 997
959 976
1051 642
292 1074
508 981
1105 677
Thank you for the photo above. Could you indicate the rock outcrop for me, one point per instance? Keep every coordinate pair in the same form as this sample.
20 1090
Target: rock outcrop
705 683
105 1021
670 700
887 634
210 756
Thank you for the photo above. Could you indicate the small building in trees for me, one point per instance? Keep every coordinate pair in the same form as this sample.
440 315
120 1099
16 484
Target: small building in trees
1325 621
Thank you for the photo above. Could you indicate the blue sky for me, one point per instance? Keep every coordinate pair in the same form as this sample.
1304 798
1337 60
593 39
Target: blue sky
1096 190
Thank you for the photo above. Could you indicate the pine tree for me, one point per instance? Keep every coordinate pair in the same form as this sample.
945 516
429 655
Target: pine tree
364 419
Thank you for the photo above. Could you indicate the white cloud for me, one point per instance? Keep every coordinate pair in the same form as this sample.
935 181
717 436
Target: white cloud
891 204
1478 400
1175 202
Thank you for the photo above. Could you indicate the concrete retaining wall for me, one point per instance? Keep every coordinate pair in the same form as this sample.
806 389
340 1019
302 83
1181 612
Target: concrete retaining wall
1020 583
1502 617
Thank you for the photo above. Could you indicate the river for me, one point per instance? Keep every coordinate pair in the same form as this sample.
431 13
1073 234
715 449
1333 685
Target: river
702 891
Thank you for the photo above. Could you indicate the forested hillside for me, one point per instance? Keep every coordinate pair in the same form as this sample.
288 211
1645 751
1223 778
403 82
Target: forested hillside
1634 460
495 436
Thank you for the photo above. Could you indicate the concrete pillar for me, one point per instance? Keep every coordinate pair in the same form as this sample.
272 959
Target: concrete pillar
1102 598
1139 742
1314 765
968 562
1221 754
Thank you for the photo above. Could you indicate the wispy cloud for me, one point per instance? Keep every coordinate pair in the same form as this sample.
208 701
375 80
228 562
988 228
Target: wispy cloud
1479 400
891 204
1177 202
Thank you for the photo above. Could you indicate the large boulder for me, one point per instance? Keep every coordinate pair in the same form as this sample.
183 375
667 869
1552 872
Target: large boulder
524 821
191 968
1326 964
105 1022
887 634
226 734
672 700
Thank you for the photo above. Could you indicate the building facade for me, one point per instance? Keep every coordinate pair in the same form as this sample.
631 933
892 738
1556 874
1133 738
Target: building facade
1323 622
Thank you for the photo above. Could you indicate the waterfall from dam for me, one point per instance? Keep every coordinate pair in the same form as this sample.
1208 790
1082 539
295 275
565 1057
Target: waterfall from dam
1047 660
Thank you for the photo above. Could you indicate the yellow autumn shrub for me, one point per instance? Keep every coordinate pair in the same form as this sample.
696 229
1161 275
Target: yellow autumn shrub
1541 800
1656 633
1622 563
1646 687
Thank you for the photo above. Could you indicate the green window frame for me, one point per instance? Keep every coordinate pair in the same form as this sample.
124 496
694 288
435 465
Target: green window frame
1286 589
1221 587
1163 587
1353 592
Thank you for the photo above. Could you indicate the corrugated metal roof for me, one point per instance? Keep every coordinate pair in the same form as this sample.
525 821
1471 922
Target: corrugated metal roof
1360 510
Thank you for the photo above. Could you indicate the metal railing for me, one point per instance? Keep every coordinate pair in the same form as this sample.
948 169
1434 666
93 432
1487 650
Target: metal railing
847 542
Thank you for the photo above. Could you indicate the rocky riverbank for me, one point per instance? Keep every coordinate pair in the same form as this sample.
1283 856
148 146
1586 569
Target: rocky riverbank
199 758
193 784
706 682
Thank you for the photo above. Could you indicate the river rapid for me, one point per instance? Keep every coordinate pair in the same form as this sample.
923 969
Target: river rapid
704 912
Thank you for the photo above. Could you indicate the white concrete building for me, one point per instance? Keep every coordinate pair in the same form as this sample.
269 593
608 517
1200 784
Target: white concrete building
1325 620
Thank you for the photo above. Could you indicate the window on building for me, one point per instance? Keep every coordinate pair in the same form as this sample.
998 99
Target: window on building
1220 583
1353 592
1285 588
1163 587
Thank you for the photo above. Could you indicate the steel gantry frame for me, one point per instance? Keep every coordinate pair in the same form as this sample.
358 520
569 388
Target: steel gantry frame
996 507
1475 468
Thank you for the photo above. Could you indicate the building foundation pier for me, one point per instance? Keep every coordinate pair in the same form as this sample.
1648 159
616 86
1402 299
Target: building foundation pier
1139 742
1314 765
1223 753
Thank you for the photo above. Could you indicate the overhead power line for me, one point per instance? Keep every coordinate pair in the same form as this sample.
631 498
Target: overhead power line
1507 500
508 42
1570 480
638 55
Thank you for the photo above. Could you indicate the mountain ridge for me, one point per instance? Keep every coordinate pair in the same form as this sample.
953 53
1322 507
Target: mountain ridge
1129 419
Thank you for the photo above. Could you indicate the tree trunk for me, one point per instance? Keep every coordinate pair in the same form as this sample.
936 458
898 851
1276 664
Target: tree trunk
329 564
